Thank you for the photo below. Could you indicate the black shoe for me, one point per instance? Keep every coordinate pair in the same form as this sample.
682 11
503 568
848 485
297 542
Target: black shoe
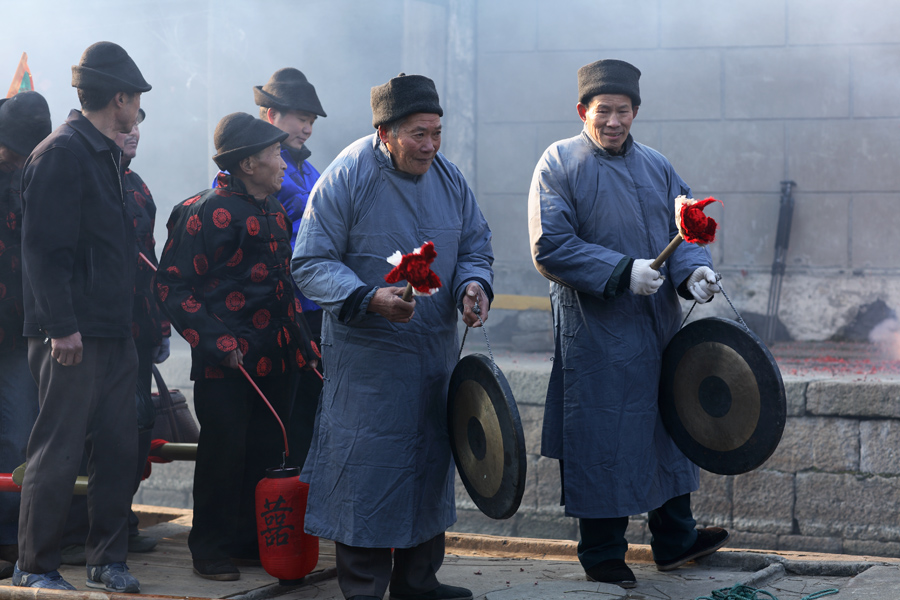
613 571
6 569
365 598
246 562
217 569
72 555
708 541
141 543
441 592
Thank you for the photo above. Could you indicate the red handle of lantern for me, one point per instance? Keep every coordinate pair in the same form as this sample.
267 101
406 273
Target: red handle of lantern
266 400
146 260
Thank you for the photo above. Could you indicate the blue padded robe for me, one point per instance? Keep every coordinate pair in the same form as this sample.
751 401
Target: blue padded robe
380 468
587 211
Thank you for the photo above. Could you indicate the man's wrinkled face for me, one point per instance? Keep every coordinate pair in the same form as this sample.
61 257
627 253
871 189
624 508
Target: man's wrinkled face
9 160
268 169
128 142
608 119
415 144
298 124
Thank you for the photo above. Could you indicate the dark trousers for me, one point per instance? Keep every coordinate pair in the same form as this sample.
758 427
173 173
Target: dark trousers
305 390
672 527
369 571
239 439
77 522
88 407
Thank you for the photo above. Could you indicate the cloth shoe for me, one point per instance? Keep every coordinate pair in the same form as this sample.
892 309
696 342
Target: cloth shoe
113 577
51 581
217 569
6 569
613 571
441 592
708 541
72 555
141 543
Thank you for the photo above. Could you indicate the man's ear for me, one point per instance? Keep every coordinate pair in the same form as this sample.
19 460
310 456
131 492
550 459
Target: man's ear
384 133
270 115
582 110
247 165
634 111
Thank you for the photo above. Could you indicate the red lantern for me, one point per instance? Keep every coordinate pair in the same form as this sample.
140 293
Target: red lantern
285 550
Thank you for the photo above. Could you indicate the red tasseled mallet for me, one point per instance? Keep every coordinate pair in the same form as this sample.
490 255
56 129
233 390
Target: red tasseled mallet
415 268
693 226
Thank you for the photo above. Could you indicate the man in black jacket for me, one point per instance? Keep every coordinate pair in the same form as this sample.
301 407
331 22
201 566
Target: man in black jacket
79 256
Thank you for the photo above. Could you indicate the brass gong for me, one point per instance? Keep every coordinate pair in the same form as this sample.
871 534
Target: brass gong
721 396
486 436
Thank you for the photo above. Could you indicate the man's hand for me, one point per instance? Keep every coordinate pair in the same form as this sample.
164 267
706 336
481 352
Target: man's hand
67 350
644 280
474 295
233 359
702 284
388 302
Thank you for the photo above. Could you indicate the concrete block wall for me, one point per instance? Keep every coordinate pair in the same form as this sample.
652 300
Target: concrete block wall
739 96
833 484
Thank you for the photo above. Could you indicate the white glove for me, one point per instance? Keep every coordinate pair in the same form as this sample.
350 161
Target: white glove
161 352
644 280
702 284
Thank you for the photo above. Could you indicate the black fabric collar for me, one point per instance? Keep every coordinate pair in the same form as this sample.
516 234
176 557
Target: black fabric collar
96 140
298 156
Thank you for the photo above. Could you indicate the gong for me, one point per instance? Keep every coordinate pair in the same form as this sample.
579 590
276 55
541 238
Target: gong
721 396
486 436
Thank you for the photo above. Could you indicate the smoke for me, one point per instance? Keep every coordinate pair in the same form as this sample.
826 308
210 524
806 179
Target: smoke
886 335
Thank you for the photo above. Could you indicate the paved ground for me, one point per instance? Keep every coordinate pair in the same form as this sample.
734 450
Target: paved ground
498 568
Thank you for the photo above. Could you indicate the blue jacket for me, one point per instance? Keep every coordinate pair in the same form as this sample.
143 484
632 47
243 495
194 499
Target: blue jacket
589 213
299 179
380 469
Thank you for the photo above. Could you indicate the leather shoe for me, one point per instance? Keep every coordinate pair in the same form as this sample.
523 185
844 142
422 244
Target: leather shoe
217 569
708 541
441 592
613 571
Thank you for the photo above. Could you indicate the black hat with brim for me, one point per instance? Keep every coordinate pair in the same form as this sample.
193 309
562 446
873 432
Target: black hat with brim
24 122
240 135
106 66
609 76
402 96
288 89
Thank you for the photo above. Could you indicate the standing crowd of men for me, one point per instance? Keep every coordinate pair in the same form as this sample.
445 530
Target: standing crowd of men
274 262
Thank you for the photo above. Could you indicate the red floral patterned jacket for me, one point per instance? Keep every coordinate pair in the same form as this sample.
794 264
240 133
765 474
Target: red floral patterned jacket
224 281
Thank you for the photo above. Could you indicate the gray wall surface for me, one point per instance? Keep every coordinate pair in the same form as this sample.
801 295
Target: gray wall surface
739 95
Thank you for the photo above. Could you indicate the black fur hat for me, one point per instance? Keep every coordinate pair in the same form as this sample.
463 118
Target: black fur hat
402 96
609 76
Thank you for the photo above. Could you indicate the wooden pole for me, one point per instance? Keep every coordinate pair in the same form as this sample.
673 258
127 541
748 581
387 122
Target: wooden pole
666 253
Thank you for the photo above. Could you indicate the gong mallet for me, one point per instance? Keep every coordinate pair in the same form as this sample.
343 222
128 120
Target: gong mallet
693 226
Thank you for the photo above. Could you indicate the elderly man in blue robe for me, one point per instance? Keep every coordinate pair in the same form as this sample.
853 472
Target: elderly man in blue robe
600 209
380 468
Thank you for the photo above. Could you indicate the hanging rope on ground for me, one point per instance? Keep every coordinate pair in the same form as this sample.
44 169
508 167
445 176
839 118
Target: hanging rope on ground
744 592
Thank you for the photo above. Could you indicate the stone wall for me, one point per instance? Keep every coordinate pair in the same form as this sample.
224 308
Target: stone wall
739 96
833 484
